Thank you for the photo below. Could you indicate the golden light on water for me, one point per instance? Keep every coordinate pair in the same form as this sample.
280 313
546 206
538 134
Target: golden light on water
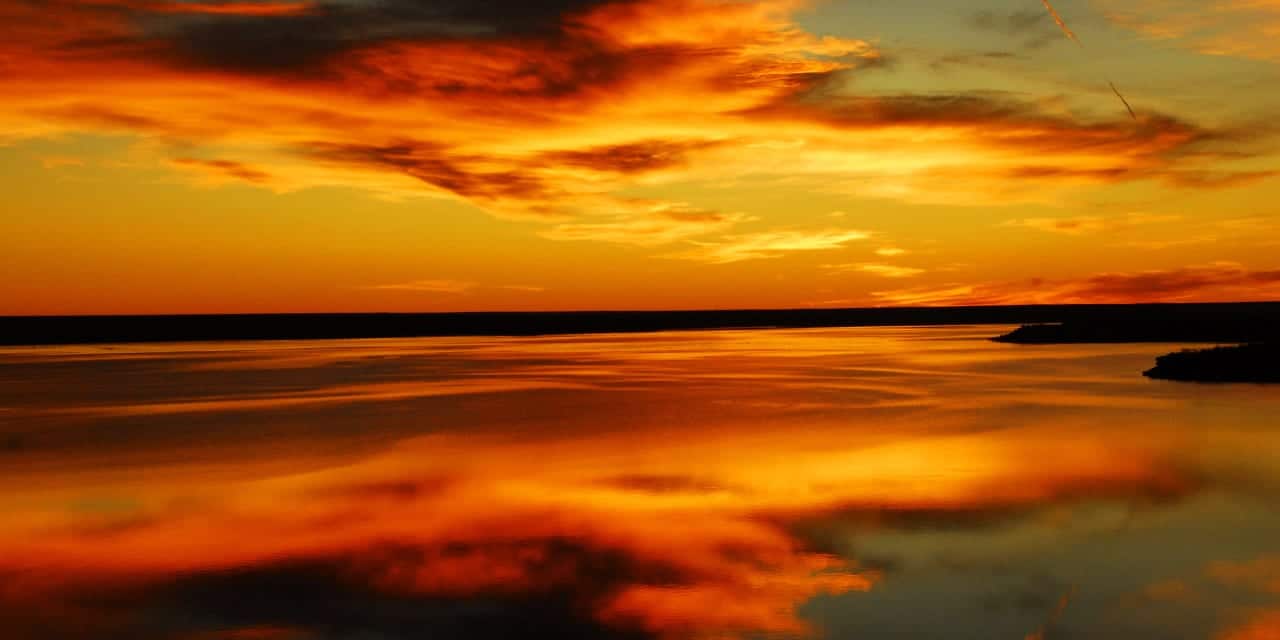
711 484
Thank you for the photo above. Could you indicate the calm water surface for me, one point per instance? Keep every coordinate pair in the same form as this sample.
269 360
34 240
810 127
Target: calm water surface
852 483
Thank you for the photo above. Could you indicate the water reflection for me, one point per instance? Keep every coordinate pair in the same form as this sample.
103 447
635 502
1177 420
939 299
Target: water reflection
914 483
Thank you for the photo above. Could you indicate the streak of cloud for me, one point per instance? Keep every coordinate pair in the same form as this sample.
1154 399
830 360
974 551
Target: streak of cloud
1062 24
1236 28
429 286
876 269
768 244
1221 282
1089 225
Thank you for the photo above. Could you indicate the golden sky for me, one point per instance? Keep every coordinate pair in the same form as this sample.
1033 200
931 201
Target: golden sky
413 155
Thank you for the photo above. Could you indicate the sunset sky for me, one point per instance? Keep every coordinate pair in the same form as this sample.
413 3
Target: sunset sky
169 156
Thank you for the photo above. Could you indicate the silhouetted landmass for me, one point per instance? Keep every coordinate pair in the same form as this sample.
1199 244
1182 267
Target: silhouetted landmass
1242 363
1245 324
36 330
1256 325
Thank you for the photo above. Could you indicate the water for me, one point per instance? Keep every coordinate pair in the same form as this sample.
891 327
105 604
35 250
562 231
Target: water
851 483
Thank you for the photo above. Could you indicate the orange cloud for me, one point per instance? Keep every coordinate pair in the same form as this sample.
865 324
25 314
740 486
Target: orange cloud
1243 28
223 169
207 7
1087 225
430 286
1260 574
768 244
549 110
1222 281
876 269
1262 626
648 225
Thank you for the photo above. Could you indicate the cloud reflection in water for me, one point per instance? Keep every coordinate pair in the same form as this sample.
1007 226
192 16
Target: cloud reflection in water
692 485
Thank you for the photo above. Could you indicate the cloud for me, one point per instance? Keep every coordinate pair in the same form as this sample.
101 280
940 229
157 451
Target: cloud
768 244
550 110
224 169
1220 281
1240 28
467 575
1088 225
1259 574
647 224
1263 625
245 8
59 162
429 286
876 269
1014 23
1033 27
452 287
644 156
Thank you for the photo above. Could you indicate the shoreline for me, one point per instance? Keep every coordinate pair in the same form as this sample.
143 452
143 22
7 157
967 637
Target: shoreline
68 330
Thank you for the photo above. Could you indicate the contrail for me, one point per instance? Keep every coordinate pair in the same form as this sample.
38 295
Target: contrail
1071 35
1122 99
1061 23
1053 615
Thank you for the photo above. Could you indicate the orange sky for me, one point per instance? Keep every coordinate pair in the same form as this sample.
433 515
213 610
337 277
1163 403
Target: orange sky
354 155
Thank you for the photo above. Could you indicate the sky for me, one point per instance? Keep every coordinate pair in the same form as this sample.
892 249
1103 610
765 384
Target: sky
202 156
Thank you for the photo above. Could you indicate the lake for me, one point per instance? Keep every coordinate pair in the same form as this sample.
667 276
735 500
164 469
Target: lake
837 483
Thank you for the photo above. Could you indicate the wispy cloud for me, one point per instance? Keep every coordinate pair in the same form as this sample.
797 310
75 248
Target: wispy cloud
429 286
647 224
452 287
1087 225
221 170
881 269
1241 28
768 244
1219 281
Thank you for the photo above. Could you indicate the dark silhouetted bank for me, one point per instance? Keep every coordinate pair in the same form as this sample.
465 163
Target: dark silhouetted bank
1242 363
44 330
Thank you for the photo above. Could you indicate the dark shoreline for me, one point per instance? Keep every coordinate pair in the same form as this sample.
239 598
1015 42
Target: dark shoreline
63 330
1252 353
1255 363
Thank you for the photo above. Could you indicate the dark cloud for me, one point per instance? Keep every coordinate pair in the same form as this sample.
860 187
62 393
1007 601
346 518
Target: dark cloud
297 42
631 158
1217 281
1033 27
974 59
1015 23
1174 283
226 168
383 592
940 109
664 484
440 167
398 490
